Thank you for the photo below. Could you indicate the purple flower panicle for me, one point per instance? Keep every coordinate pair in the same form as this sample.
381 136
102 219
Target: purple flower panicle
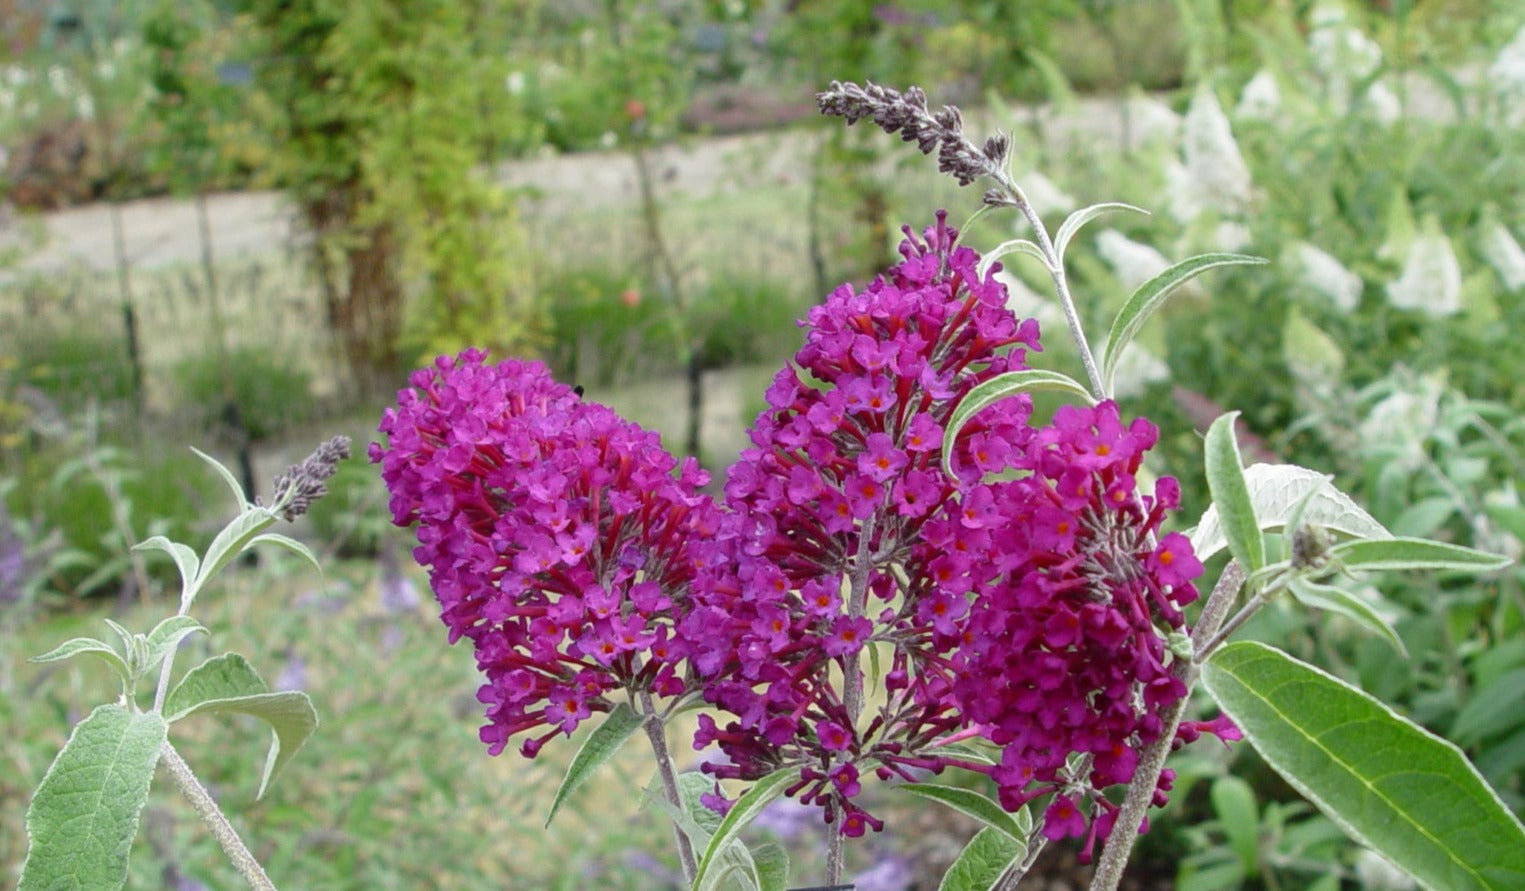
851 447
1026 598
557 537
1064 651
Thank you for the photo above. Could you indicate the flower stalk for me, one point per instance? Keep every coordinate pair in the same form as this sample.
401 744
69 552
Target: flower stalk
202 802
1119 846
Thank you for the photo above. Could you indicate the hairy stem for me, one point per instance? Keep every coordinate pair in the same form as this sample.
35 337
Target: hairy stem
852 680
1013 876
1221 634
212 815
1055 265
1125 830
656 732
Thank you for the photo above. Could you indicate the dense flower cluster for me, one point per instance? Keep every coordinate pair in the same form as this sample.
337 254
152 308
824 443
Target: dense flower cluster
1024 598
842 496
1065 652
557 539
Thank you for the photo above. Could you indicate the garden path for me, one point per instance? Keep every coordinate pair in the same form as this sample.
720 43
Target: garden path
163 231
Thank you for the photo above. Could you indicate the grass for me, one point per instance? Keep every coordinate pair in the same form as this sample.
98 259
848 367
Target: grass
394 790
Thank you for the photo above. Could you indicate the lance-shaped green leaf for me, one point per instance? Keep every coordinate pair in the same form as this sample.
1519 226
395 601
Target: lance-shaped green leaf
694 819
983 861
1389 783
743 812
1338 600
1231 494
987 393
772 864
1150 296
82 820
969 803
185 558
1414 553
1234 803
229 543
1074 221
595 751
228 683
1276 490
1494 708
78 645
290 544
1005 248
226 475
168 634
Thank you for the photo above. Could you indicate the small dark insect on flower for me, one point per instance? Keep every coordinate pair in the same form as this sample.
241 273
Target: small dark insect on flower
577 388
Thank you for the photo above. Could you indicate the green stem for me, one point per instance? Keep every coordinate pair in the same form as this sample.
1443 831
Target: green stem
201 800
852 680
656 732
1114 856
1055 265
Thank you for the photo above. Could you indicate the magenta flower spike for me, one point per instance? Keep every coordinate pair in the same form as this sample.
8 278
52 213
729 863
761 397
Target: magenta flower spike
842 496
558 540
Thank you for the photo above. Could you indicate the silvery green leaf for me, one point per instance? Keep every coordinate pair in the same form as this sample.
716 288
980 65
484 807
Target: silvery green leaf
78 645
1338 600
81 823
1150 296
1231 495
1074 221
987 393
1014 246
606 739
185 558
227 477
1275 490
1414 553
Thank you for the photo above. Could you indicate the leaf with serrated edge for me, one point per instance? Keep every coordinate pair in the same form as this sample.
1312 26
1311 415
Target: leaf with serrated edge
1390 784
1414 553
78 645
1231 495
743 812
1074 221
185 558
1338 600
988 393
597 749
969 803
228 683
983 861
227 477
1275 490
1014 246
1151 295
83 819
